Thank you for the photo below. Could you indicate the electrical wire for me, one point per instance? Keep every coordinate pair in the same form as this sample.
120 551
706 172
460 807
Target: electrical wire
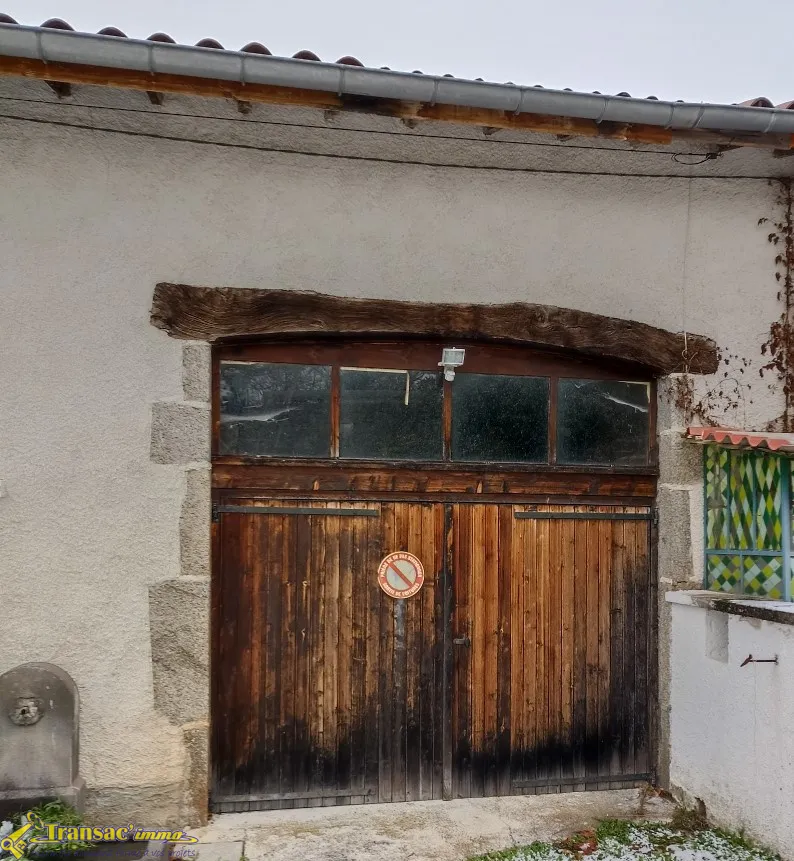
378 159
407 134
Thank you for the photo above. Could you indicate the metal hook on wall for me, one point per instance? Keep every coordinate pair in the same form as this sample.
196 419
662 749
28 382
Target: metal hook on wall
751 660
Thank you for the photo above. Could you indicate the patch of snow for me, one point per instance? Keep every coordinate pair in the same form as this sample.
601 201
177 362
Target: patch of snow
652 842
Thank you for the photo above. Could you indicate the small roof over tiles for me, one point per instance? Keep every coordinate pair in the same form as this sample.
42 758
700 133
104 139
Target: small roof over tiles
54 51
736 438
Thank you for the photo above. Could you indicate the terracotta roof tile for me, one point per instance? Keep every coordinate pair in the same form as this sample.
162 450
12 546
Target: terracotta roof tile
736 438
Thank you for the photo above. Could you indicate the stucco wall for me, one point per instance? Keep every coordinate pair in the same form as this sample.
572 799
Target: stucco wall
731 740
89 222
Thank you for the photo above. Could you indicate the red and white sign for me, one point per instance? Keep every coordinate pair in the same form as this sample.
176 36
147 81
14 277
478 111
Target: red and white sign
401 574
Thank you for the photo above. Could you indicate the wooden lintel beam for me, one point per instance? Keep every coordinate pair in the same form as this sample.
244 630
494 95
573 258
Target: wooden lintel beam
409 112
217 313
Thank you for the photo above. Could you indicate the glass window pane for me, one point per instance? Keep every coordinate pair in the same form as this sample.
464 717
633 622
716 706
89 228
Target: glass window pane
390 415
500 418
601 421
275 409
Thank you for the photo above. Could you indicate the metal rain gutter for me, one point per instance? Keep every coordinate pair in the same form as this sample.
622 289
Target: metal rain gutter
111 52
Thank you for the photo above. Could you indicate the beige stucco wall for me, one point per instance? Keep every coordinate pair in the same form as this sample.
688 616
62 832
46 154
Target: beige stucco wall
89 222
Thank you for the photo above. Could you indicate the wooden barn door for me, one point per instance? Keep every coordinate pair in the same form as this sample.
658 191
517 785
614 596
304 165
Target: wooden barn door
325 689
523 665
552 625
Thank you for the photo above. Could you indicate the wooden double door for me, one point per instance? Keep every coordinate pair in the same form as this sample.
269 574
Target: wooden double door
524 664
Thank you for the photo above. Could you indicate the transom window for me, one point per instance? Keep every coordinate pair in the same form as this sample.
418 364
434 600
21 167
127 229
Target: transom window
393 403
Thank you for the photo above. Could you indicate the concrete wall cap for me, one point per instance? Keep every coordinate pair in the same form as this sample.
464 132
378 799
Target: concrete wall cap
748 606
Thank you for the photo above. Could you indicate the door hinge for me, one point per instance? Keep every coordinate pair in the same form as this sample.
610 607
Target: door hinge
216 515
655 516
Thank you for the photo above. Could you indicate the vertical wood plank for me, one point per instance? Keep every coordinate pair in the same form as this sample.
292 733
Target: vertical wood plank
517 670
413 660
631 529
553 648
460 657
479 637
331 652
426 641
269 530
504 577
582 566
605 538
491 634
372 702
643 626
288 642
245 713
568 612
529 544
442 665
448 693
316 639
300 536
543 734
344 675
386 681
617 613
592 612
398 613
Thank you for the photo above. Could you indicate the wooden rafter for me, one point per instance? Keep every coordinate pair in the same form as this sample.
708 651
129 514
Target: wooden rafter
216 313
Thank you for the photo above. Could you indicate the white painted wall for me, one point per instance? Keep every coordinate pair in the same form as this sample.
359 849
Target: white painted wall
89 222
731 736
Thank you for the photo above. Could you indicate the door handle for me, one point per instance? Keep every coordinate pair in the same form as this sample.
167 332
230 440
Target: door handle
462 641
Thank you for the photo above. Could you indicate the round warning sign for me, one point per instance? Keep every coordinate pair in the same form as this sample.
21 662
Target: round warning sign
401 574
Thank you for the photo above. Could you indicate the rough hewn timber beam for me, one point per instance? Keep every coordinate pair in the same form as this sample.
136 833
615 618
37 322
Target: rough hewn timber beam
213 313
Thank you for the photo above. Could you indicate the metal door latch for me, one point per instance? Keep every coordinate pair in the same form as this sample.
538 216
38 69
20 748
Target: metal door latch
462 641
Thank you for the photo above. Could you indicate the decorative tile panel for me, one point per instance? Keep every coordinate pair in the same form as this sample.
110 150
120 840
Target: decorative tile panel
717 497
768 493
742 499
763 576
724 573
745 493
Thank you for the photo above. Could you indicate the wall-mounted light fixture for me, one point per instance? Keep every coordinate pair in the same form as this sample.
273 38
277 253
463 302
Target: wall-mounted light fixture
451 358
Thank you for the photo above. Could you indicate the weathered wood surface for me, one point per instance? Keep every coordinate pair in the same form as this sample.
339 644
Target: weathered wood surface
342 479
327 691
212 313
556 685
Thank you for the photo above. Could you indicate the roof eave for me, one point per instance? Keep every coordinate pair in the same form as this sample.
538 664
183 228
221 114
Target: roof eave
68 55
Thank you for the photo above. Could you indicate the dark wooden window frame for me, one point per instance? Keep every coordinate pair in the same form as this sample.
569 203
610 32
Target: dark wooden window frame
482 358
